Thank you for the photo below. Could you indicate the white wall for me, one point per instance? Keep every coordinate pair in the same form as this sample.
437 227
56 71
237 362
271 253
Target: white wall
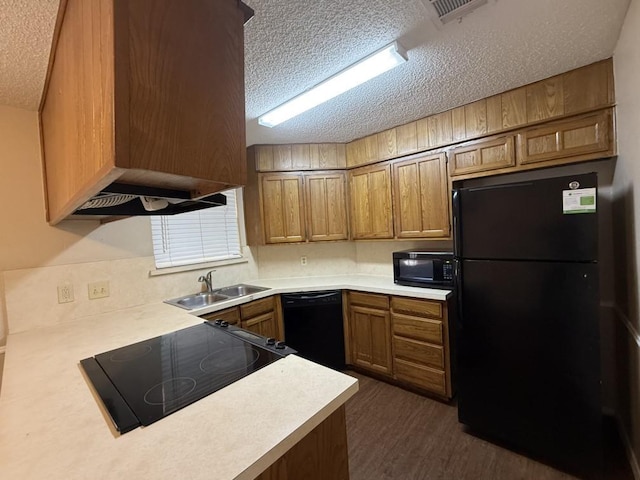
626 206
35 257
337 258
330 258
374 257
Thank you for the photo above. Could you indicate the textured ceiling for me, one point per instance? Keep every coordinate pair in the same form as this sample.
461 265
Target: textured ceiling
26 31
291 45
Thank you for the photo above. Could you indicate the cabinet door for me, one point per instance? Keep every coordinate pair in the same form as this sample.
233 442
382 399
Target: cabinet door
264 325
371 215
482 155
581 136
371 338
326 202
282 208
421 206
255 308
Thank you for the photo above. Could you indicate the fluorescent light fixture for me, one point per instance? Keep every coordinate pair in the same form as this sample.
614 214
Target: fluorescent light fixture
369 67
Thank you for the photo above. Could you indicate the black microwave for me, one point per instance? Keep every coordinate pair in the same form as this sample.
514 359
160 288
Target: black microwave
417 268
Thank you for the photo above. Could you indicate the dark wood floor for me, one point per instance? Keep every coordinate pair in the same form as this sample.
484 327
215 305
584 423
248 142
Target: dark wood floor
394 434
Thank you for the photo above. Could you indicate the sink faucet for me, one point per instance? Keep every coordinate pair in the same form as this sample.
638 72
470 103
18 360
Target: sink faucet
206 279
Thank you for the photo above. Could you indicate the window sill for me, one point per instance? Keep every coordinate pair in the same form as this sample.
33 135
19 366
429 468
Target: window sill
197 266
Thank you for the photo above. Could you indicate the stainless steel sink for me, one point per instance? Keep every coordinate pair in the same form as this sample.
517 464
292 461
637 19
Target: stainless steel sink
198 300
205 299
239 290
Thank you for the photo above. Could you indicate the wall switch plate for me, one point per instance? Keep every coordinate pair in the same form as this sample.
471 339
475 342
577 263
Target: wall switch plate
98 290
65 292
303 260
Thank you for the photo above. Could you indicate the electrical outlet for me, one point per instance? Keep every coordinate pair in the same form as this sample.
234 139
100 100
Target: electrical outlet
303 260
65 292
98 290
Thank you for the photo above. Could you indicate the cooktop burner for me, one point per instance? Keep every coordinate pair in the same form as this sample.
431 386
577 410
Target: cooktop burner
169 391
229 360
146 381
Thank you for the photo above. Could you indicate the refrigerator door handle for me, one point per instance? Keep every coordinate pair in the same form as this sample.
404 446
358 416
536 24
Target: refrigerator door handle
455 205
457 276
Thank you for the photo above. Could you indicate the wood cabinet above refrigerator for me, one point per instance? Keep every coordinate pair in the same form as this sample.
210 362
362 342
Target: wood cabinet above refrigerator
147 93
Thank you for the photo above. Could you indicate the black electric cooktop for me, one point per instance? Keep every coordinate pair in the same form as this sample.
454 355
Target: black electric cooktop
146 381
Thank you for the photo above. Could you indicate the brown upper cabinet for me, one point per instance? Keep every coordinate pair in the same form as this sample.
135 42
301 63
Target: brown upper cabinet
579 91
583 135
326 200
420 193
282 208
370 200
304 156
164 118
481 155
296 207
575 139
564 119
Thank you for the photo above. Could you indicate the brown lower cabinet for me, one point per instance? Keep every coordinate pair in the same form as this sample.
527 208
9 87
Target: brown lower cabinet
370 329
405 339
263 316
321 455
231 315
264 325
421 347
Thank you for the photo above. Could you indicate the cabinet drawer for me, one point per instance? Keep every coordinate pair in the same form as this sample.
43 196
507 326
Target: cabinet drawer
231 315
412 306
423 329
257 307
420 376
418 352
369 300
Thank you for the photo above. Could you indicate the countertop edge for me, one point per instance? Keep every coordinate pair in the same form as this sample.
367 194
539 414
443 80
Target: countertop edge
330 283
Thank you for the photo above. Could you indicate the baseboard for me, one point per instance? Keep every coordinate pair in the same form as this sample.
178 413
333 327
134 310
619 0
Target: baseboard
631 454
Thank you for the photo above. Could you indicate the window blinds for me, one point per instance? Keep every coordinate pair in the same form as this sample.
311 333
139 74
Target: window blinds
201 236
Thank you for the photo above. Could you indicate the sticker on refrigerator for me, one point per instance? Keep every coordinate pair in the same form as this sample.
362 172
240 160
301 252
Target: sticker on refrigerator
582 200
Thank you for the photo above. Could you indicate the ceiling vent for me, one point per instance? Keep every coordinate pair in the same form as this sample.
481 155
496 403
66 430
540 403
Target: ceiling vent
447 10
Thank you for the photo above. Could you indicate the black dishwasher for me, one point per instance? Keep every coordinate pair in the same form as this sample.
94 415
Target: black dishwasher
313 326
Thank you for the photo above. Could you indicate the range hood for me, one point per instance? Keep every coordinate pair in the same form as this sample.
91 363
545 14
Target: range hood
149 93
120 200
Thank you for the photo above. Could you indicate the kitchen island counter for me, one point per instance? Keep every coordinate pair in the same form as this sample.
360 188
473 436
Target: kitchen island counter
52 426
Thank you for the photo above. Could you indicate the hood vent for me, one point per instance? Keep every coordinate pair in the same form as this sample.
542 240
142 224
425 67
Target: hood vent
448 10
124 200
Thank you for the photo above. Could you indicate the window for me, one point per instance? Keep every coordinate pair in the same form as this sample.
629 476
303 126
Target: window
206 235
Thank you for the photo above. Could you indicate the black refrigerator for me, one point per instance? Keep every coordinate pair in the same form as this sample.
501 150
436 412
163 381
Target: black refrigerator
528 324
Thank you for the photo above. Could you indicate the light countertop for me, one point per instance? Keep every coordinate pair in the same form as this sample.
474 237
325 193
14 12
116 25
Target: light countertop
365 283
52 427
